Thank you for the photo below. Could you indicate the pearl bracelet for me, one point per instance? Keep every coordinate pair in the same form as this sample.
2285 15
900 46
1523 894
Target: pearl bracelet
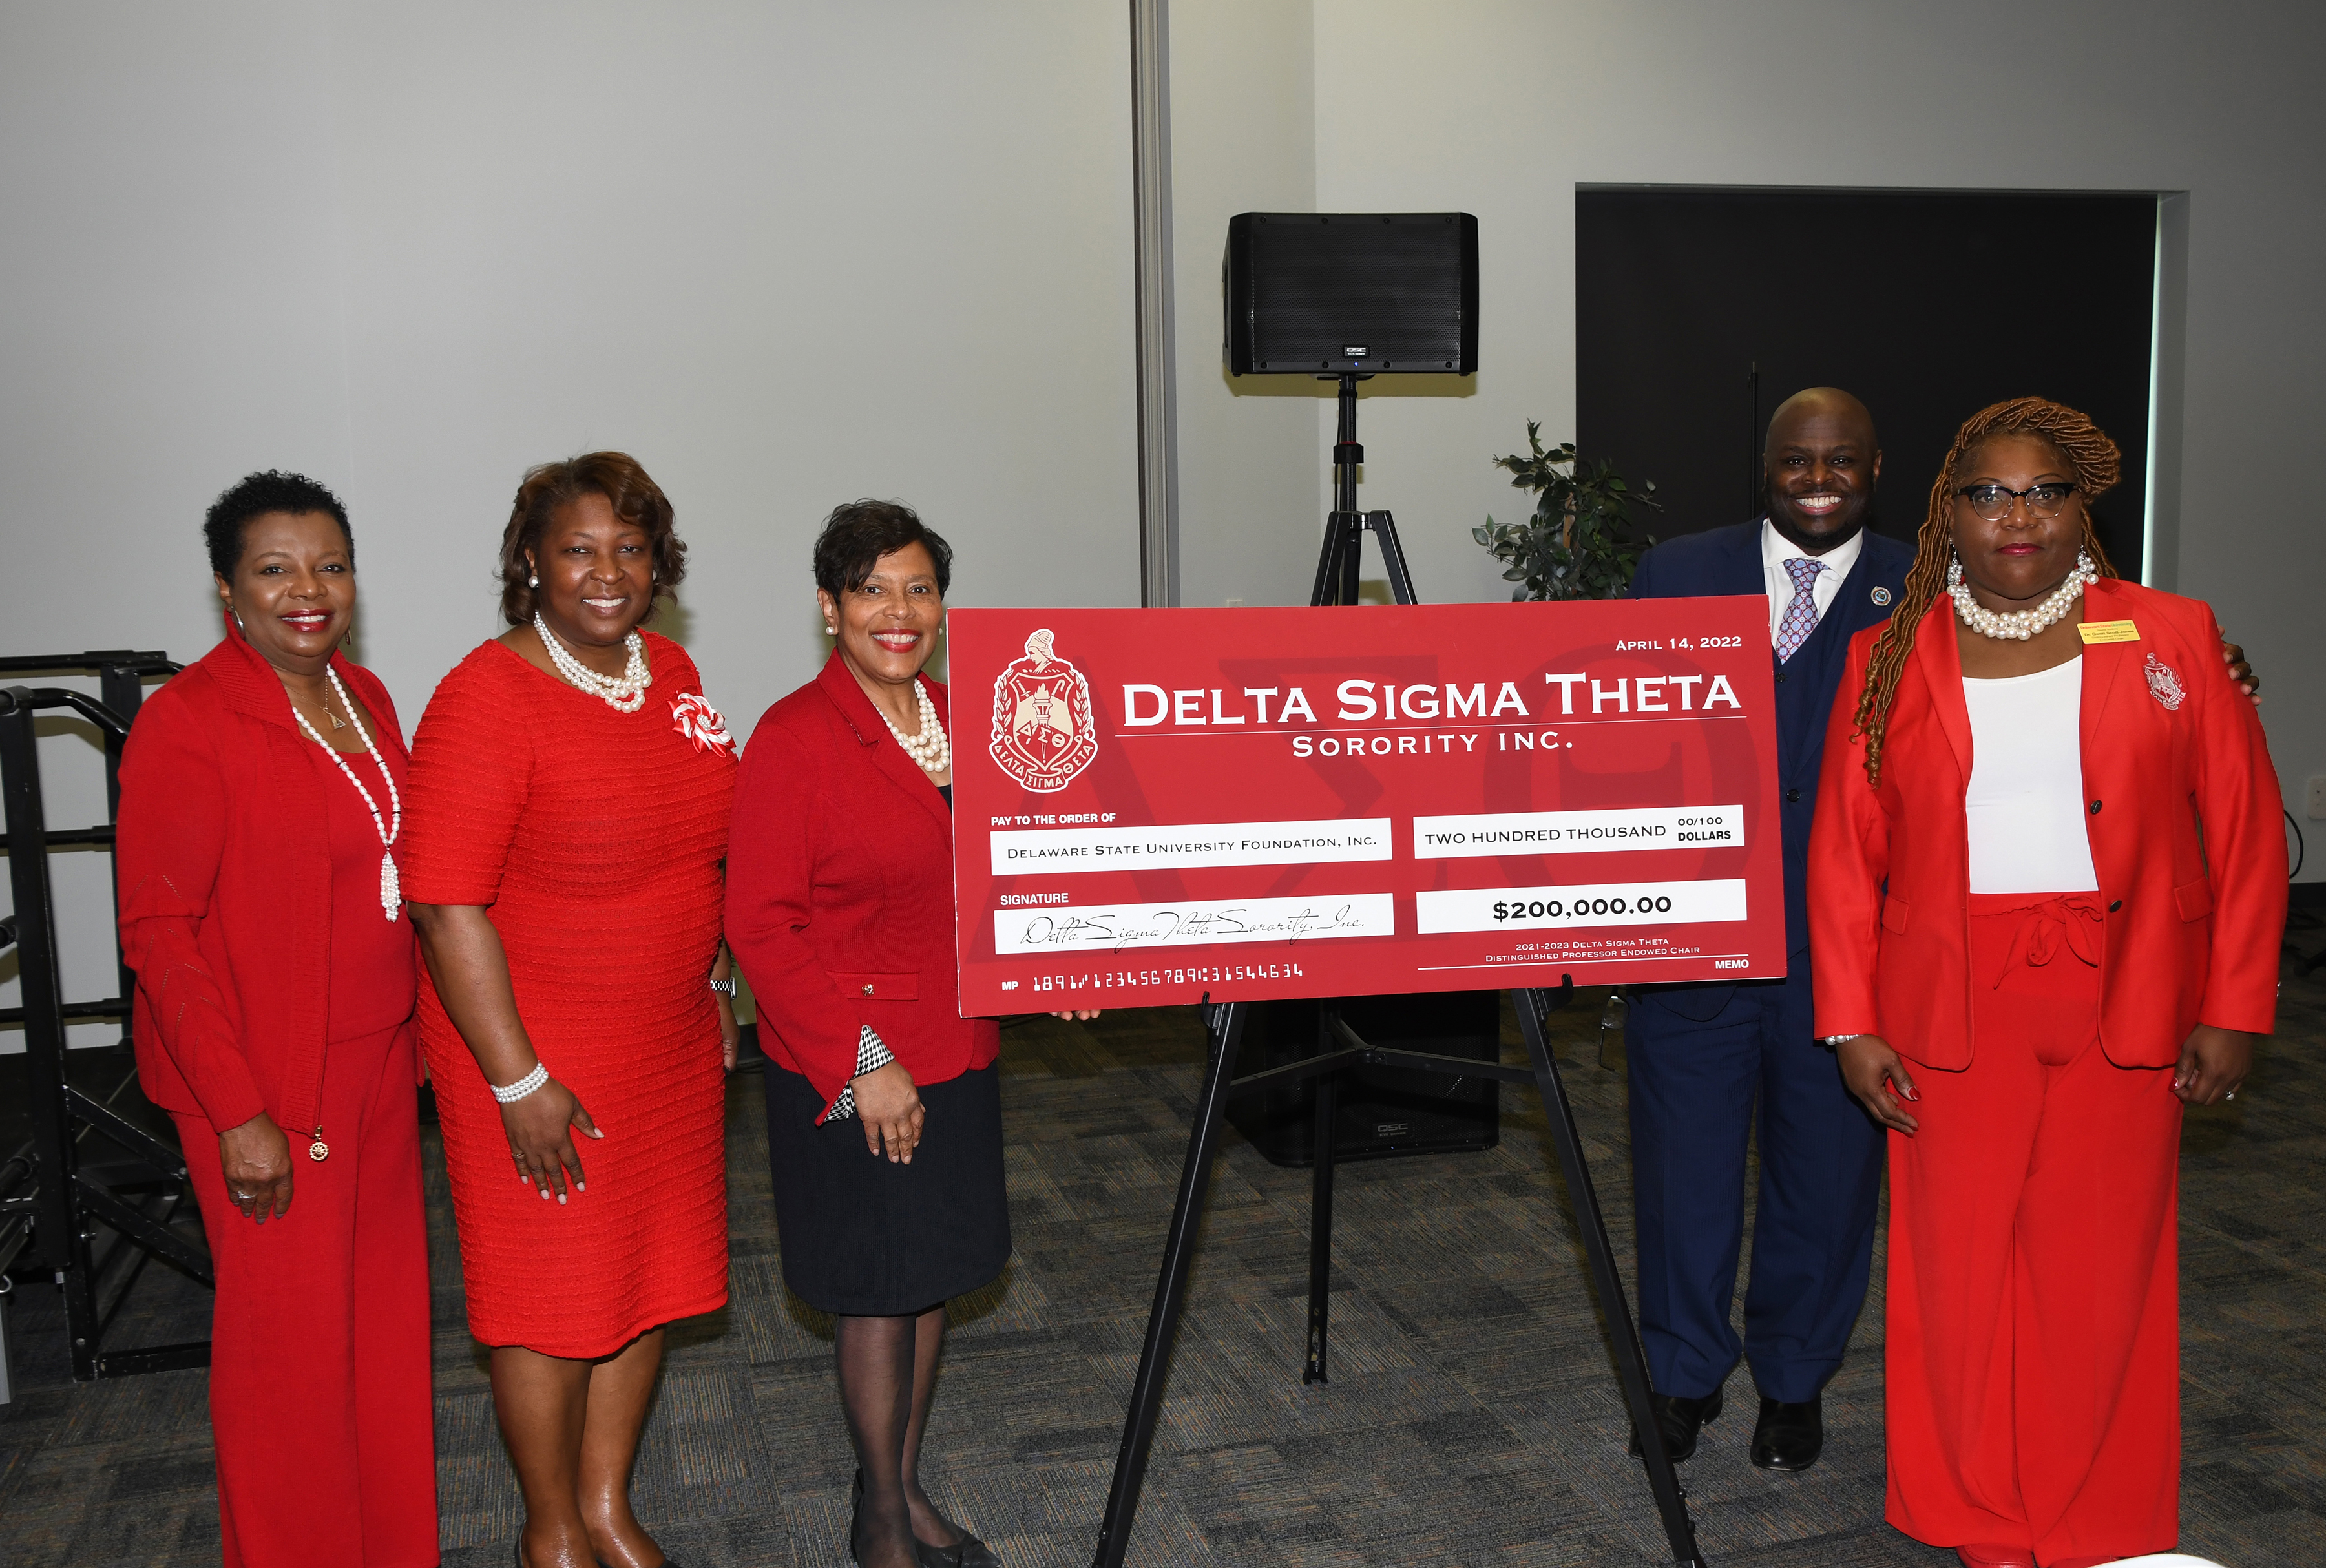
510 1093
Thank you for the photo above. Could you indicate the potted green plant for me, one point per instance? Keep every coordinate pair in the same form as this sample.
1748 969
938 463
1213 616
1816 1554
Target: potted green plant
1579 543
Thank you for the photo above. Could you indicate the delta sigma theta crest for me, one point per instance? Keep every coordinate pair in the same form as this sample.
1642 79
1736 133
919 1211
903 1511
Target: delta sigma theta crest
1043 730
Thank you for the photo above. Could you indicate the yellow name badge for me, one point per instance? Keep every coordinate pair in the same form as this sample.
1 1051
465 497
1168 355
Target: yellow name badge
2109 632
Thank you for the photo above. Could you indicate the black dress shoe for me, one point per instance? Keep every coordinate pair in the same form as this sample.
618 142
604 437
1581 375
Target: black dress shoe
1679 1418
974 1553
1788 1436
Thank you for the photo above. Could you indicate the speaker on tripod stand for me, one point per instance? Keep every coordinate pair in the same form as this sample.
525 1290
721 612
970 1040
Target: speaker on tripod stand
1345 297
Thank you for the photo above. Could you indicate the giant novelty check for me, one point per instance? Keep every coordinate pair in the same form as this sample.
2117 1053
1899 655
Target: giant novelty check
1149 805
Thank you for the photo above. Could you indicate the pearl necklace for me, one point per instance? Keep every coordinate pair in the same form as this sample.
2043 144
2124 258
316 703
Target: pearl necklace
2018 625
625 693
391 887
930 748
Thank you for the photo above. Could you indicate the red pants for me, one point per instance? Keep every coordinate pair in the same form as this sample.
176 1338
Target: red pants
319 1351
2034 1357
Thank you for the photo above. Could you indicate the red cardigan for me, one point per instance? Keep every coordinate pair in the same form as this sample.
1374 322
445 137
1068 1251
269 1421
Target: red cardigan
840 892
2182 812
224 870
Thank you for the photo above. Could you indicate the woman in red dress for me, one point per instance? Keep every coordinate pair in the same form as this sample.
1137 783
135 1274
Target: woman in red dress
2047 870
259 811
568 817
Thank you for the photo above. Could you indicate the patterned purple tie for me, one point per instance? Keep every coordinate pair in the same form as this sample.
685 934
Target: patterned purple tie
1801 615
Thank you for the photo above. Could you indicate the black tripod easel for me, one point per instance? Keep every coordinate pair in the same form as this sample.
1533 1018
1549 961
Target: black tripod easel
1337 583
129 1181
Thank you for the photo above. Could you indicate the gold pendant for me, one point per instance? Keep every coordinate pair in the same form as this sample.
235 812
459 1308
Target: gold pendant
318 1150
337 722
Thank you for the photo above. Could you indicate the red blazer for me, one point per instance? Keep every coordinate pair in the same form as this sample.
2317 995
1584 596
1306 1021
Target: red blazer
2182 812
224 870
840 892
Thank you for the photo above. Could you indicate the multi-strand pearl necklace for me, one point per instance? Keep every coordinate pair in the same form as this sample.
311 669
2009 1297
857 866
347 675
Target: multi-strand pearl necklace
625 692
930 748
2018 625
391 887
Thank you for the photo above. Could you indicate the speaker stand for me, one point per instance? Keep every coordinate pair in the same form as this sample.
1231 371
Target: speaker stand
1342 551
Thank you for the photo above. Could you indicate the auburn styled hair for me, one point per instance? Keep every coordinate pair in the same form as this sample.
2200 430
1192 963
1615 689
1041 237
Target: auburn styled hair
635 498
2090 456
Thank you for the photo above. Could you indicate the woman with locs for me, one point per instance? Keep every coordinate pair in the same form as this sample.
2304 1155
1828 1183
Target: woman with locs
260 822
570 795
2047 888
884 1108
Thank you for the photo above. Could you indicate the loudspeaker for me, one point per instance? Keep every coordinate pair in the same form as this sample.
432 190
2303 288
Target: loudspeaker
1381 1111
1332 293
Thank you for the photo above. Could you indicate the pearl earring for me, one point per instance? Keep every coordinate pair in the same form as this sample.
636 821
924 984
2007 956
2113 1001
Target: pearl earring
832 631
533 581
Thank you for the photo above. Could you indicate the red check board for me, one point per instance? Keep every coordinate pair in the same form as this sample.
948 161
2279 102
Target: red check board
1149 805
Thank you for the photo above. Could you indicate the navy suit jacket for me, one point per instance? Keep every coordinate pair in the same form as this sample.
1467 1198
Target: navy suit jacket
1728 561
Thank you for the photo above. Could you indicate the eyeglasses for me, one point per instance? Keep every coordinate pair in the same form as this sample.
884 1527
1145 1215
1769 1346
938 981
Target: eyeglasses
1992 502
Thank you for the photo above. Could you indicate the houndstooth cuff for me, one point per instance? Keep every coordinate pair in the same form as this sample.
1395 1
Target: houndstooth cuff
870 1057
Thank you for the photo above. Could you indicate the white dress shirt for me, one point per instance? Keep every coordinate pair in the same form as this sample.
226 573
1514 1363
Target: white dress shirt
1776 550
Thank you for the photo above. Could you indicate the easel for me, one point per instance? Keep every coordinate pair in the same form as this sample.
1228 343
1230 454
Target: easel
132 1184
1338 584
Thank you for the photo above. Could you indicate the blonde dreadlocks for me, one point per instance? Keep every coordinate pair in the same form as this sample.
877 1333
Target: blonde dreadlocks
2090 457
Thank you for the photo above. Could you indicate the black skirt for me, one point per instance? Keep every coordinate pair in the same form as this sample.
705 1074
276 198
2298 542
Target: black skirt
867 1237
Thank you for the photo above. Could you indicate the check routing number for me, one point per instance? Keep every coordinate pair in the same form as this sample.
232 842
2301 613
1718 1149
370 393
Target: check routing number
1150 806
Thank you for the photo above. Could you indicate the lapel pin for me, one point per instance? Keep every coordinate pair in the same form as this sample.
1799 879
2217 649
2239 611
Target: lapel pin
1881 596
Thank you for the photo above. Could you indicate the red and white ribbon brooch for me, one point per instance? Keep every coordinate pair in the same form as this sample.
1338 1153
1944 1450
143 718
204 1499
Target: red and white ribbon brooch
700 723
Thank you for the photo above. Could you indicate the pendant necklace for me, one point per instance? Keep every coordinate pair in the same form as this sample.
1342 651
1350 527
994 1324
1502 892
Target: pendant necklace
391 890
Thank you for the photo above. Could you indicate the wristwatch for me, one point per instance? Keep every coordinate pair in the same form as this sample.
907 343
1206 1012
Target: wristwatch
725 988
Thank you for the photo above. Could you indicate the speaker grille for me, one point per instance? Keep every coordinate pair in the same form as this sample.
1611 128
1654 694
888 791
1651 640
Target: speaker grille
1320 293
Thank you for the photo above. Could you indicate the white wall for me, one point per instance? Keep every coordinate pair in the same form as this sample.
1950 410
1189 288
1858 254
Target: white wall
791 254
1252 505
1501 110
785 255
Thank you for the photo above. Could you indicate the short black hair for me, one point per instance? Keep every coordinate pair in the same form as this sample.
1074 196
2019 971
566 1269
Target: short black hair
858 533
258 494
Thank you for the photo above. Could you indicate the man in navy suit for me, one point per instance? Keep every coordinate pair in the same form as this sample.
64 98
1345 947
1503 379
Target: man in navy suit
1702 1055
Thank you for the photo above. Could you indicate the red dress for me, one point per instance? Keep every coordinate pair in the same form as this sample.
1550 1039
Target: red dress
593 838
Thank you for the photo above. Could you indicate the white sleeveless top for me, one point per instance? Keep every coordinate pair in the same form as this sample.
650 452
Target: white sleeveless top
2025 803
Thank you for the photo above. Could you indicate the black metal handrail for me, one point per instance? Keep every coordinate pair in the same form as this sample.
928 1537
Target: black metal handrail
51 1196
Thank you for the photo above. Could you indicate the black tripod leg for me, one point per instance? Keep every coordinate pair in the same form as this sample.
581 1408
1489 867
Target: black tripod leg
1328 560
1631 1359
1400 581
1170 1290
1320 1226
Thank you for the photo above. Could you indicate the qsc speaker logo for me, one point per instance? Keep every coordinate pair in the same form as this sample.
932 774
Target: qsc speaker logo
1044 732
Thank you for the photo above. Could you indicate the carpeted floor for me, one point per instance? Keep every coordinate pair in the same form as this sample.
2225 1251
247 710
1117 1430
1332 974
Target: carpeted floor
1472 1417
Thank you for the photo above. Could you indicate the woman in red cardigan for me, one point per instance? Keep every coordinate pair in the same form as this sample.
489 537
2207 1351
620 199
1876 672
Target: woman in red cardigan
2047 871
884 1104
261 801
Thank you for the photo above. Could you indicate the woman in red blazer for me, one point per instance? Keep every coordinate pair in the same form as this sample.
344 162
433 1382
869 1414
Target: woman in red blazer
261 793
884 1104
2047 871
